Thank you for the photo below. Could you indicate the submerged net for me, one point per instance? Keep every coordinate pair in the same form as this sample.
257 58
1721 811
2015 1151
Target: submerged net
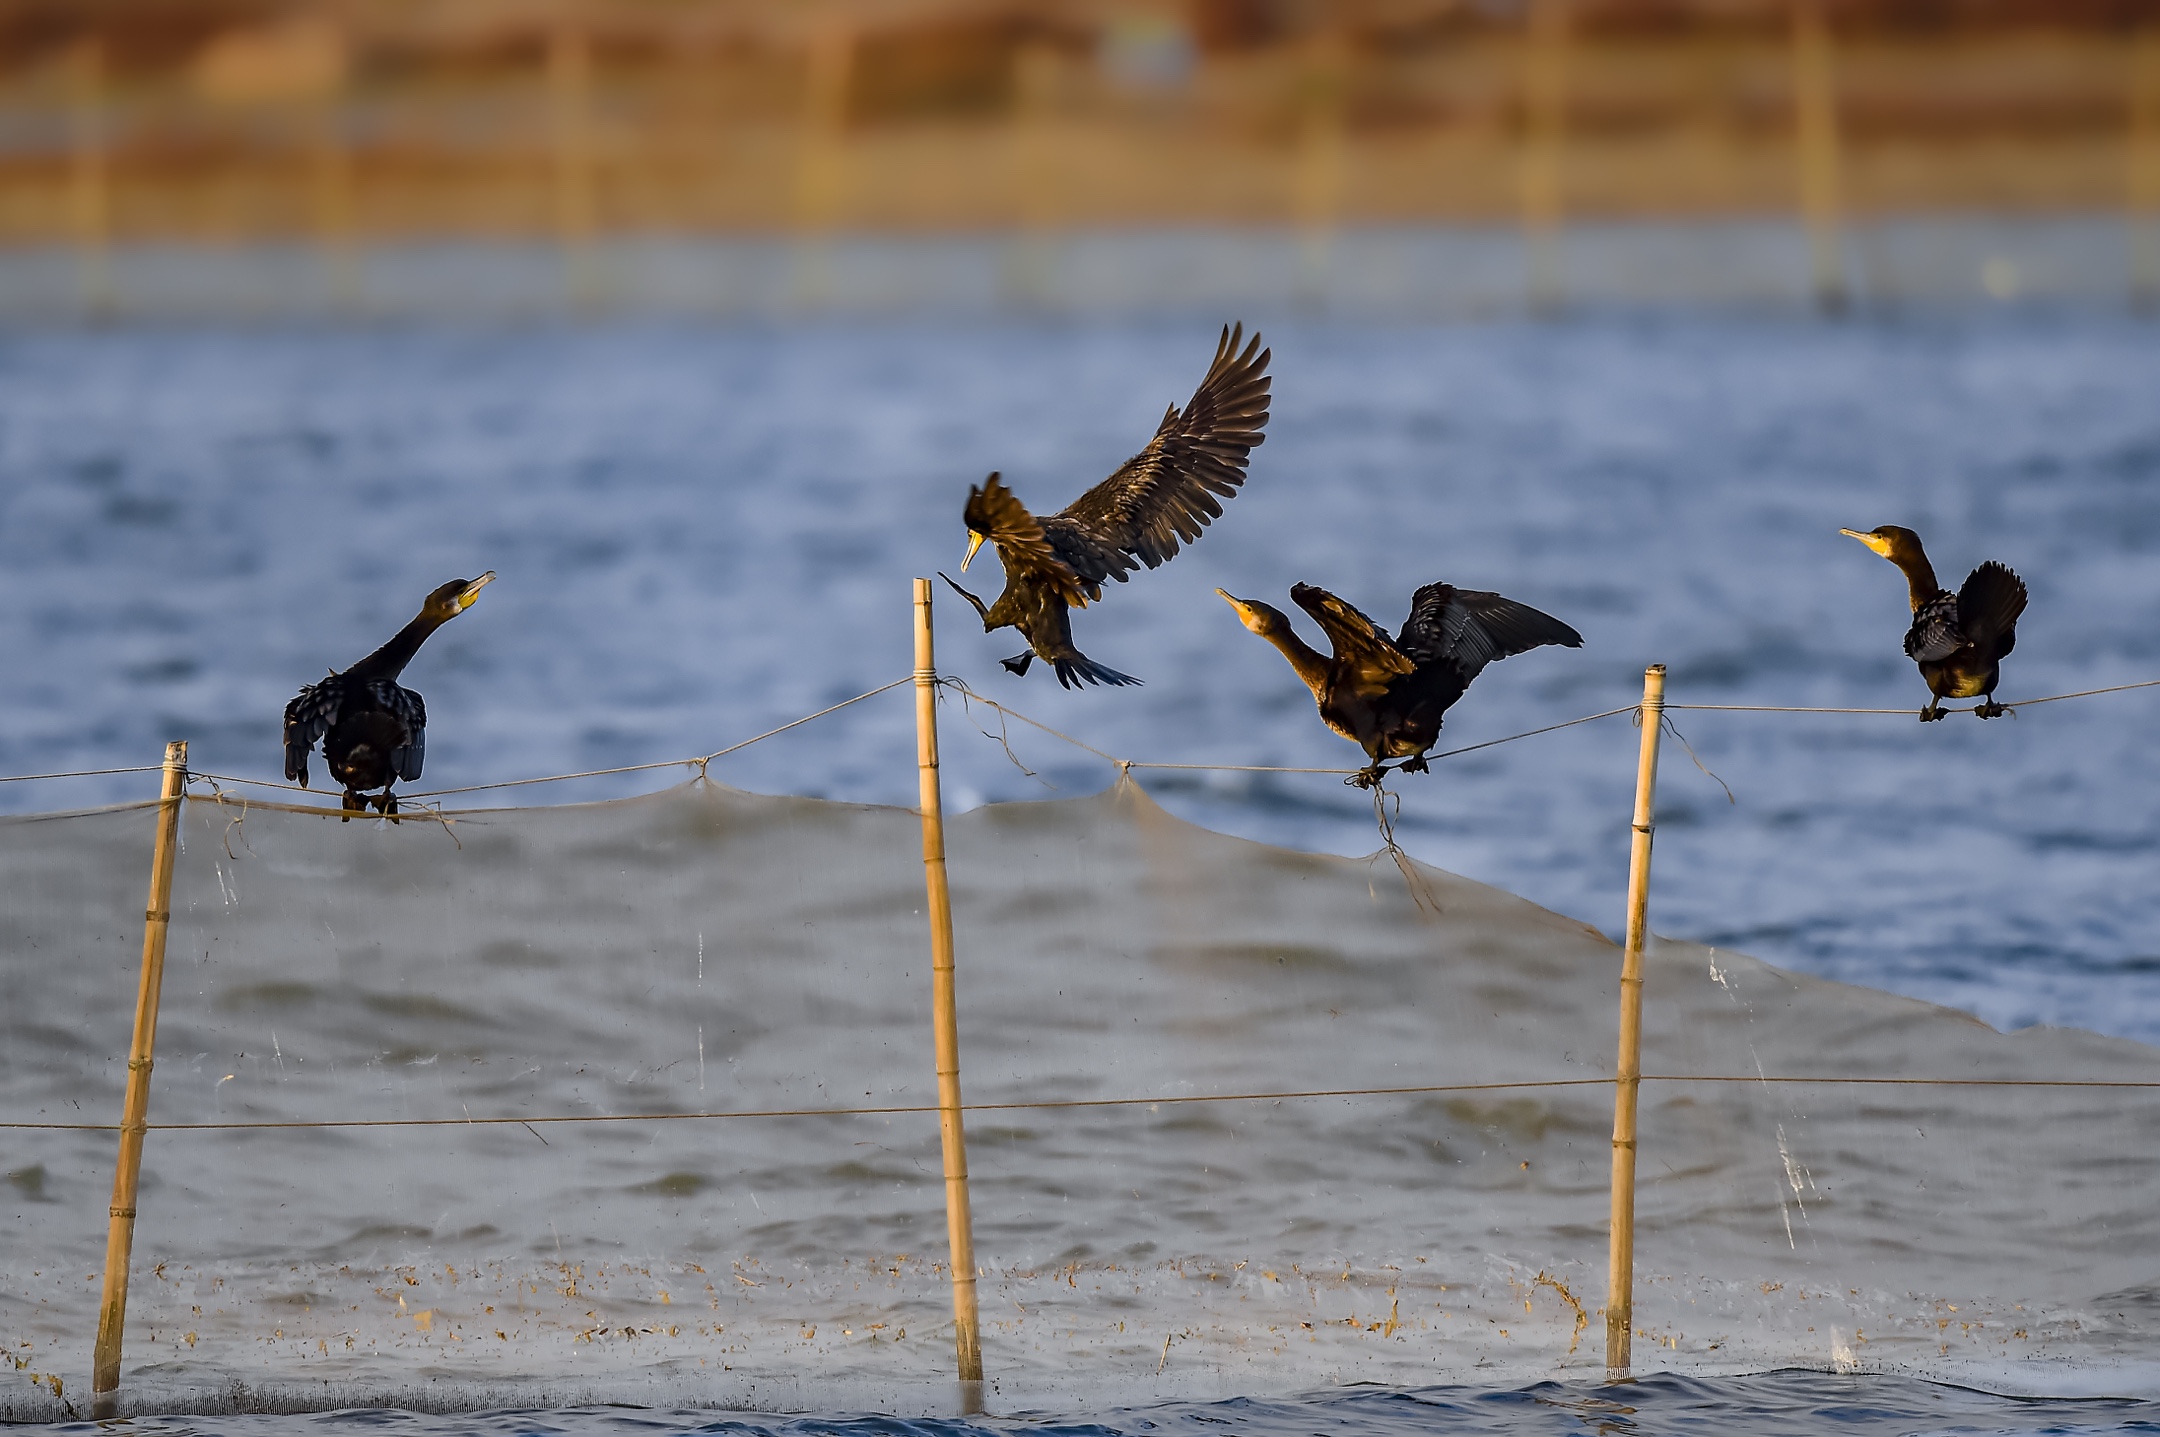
1242 1120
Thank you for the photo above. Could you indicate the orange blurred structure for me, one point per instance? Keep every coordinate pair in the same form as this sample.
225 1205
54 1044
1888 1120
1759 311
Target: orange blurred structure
342 124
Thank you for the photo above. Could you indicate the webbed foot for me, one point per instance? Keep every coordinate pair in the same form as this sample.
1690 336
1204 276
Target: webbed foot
1366 777
1990 709
1413 764
387 805
1931 713
1019 662
353 803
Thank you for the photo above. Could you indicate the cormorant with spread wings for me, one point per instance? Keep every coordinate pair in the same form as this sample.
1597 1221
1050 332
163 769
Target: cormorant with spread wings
1387 695
372 729
1959 640
1161 497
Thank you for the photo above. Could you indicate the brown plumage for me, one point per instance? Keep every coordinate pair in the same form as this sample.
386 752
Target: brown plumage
1388 695
1958 640
1157 500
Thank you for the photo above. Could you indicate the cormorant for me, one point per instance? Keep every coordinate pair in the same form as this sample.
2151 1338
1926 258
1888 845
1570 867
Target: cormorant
1959 639
373 730
1387 695
1161 496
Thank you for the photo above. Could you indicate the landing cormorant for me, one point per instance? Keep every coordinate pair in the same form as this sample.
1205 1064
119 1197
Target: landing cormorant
1164 495
1959 639
1387 695
373 730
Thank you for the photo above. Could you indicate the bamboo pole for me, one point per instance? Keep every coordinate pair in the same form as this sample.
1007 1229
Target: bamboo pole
1542 198
127 1173
1817 148
1620 1254
89 184
2144 166
570 103
959 1222
821 156
1316 197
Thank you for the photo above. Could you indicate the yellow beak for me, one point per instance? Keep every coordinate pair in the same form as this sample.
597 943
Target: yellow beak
1231 599
975 541
472 590
1880 546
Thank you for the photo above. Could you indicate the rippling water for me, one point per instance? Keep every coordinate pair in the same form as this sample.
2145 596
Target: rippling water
704 532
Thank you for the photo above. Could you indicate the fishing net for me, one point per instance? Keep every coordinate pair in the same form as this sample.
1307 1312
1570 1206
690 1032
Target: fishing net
634 1101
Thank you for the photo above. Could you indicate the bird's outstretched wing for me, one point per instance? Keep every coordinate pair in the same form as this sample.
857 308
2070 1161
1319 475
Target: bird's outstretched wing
1471 628
1362 648
411 710
311 714
994 512
1936 633
1166 494
1989 604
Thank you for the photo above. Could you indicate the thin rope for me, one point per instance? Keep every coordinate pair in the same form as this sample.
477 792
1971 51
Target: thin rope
698 762
960 686
1066 1103
81 773
1908 712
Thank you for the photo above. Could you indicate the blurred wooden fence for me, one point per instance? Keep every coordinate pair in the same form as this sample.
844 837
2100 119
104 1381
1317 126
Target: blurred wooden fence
209 120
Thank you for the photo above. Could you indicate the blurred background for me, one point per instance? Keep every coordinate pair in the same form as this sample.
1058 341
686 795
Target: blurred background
729 156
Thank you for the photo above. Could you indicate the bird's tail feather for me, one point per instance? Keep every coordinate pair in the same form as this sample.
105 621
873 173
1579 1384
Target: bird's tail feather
1989 603
1080 669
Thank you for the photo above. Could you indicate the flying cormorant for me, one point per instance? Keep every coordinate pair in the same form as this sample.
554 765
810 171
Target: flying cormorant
373 730
1387 695
1959 639
1164 495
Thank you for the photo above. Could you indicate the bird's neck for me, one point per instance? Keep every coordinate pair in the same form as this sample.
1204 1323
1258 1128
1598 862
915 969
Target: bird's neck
390 660
1919 575
1303 657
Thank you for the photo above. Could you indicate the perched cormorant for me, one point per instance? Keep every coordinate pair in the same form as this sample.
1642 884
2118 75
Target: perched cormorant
1959 639
1161 496
1387 695
373 730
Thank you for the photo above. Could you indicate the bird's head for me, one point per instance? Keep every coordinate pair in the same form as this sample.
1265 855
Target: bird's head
455 597
1892 541
980 514
1263 619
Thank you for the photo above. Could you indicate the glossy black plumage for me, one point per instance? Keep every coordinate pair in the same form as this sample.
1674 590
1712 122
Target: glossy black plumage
373 730
1160 499
1958 640
1388 694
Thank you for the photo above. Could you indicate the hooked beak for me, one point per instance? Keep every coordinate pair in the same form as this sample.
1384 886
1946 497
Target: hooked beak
1231 599
975 541
472 590
1879 545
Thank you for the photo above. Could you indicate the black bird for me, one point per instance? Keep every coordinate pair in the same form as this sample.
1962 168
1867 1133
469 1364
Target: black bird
1959 639
373 730
1387 695
1164 495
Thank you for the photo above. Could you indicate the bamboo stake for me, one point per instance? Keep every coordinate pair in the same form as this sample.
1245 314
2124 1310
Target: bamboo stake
1545 86
1316 198
2144 159
89 184
127 1173
959 1221
1816 144
570 101
821 156
1620 1258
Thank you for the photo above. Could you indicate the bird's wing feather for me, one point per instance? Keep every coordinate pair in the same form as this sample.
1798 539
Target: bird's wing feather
1360 644
311 714
1472 627
1989 604
411 711
995 512
1935 633
1166 494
